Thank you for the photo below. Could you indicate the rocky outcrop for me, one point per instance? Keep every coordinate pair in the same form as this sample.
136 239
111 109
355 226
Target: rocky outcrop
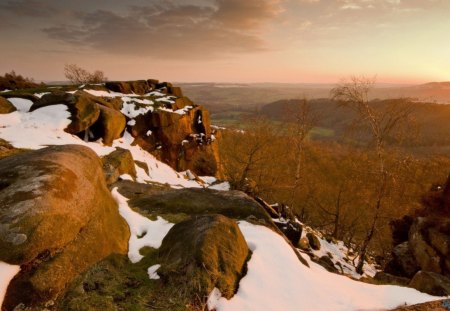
423 241
6 106
55 210
179 135
204 253
160 119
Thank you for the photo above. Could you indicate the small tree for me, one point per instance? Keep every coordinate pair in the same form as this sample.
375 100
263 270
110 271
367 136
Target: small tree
301 120
383 124
77 75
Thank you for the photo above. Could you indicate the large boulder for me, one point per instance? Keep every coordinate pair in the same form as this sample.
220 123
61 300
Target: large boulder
155 200
431 283
110 125
117 163
83 109
55 210
6 106
204 253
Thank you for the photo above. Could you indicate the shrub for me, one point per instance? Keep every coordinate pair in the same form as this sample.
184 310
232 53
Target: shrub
77 75
13 81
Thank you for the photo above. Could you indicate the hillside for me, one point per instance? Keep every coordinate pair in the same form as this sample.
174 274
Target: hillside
431 119
111 198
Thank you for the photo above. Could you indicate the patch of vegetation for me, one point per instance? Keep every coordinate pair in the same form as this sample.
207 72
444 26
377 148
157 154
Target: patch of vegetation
6 149
13 81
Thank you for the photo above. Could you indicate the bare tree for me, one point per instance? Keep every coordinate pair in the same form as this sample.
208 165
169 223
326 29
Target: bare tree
383 124
77 75
301 120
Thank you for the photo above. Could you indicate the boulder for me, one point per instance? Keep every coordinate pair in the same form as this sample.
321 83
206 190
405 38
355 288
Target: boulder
55 210
83 109
327 263
405 260
109 126
313 240
431 283
303 244
6 106
201 254
156 200
292 230
117 163
389 279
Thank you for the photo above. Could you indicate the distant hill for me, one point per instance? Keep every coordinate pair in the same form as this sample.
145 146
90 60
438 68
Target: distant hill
226 97
432 119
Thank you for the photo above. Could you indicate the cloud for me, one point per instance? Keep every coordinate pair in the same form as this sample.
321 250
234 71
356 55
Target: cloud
28 8
170 30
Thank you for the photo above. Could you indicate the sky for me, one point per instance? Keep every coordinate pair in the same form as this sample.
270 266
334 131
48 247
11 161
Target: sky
285 41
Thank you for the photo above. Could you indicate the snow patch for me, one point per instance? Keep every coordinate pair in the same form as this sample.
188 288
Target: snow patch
276 280
152 274
126 177
144 232
224 186
7 273
22 105
39 95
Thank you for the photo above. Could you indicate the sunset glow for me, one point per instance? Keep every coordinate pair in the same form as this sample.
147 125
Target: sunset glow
316 41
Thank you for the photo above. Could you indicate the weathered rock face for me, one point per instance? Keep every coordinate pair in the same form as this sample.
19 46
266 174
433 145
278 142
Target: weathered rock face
55 209
202 253
6 106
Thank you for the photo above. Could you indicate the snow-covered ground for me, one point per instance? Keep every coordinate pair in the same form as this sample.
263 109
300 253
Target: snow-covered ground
276 280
